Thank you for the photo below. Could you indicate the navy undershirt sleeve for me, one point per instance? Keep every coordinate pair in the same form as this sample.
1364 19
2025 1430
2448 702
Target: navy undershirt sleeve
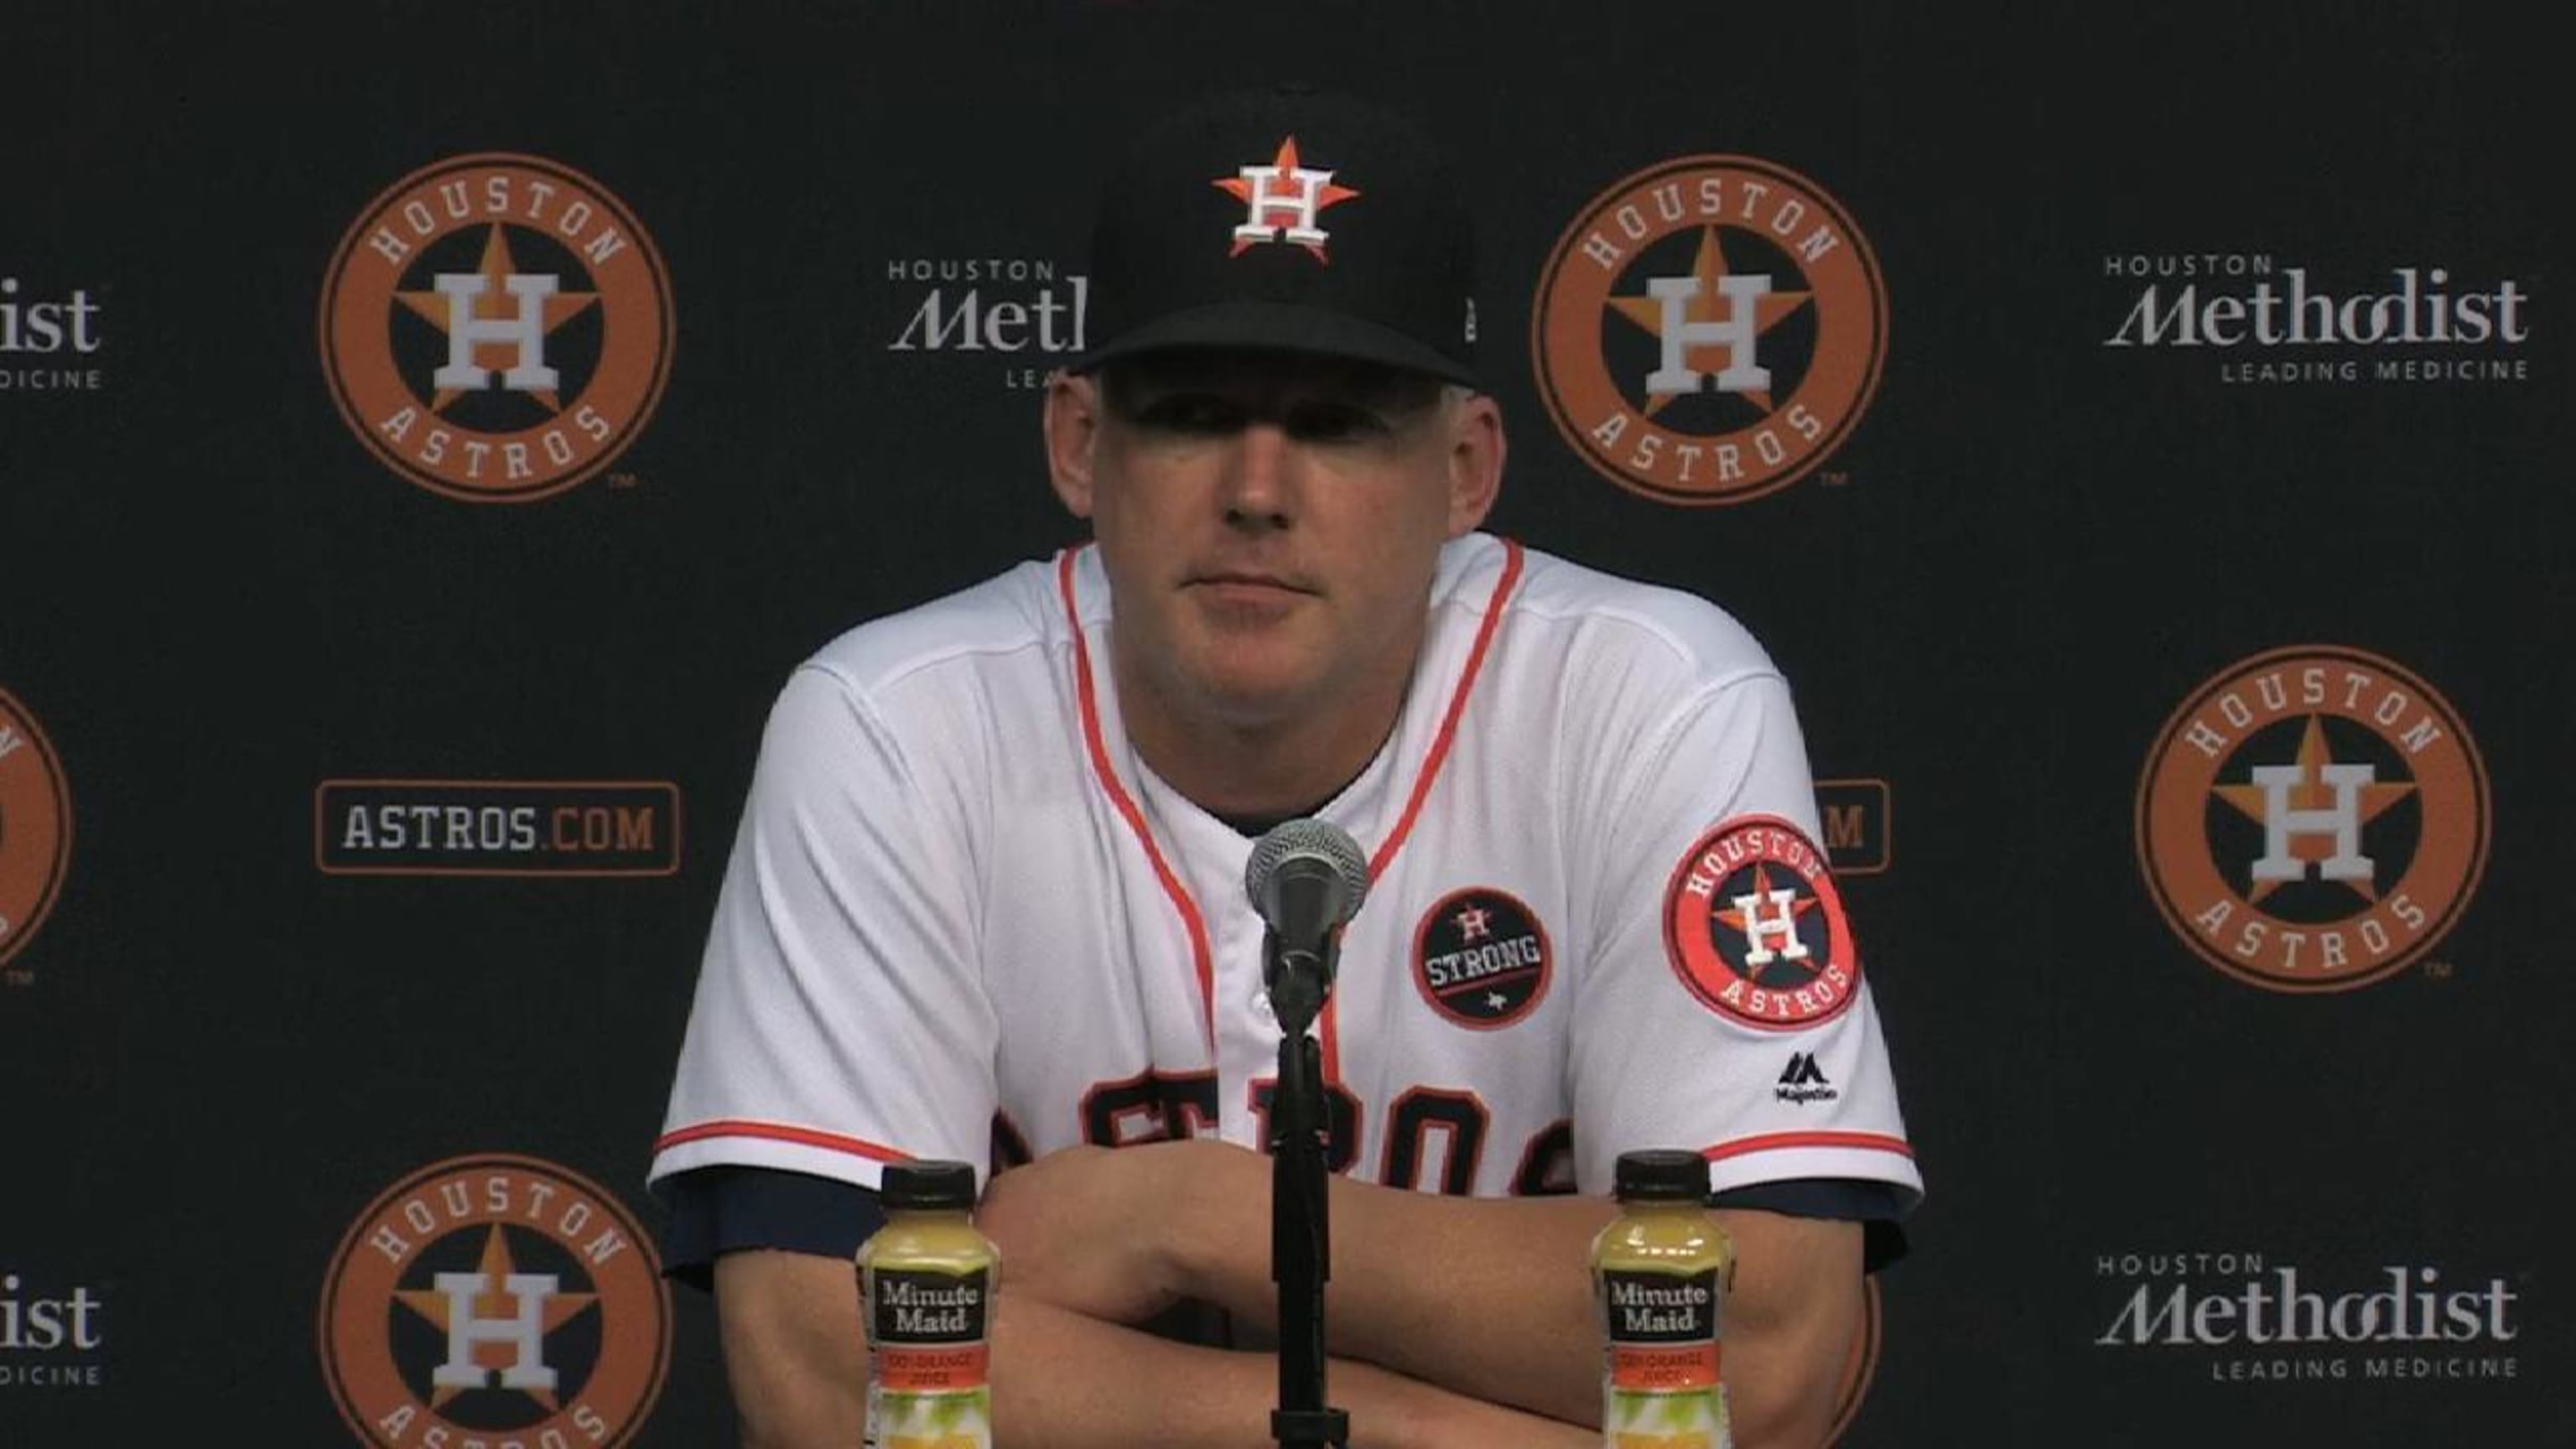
717 1210
1876 1206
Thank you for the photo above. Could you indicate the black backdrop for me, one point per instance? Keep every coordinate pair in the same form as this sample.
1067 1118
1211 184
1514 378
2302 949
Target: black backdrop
238 1044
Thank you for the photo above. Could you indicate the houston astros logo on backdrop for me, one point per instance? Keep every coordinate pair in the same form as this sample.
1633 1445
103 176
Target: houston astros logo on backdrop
495 1299
497 328
1709 330
1281 202
35 828
1480 958
2313 819
1755 926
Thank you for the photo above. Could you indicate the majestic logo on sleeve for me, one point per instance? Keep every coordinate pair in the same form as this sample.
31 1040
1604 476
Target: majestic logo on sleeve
1756 928
496 328
1802 1081
1281 202
495 1299
2313 819
35 828
1709 330
1481 959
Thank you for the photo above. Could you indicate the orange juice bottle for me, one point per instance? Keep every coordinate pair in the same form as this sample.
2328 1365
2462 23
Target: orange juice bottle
1660 1272
926 1283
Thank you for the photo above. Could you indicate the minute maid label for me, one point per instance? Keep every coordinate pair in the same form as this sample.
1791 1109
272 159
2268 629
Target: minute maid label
926 1337
1659 1380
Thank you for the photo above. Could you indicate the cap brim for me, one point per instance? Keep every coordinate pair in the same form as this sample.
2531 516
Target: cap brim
1278 327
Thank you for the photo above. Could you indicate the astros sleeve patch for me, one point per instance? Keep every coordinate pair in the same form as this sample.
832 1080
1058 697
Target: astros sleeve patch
1756 929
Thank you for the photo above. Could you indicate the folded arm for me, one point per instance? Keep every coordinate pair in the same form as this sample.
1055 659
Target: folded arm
797 1362
1493 1297
1490 1298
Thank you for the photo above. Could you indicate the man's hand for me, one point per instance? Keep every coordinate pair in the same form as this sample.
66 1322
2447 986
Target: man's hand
1103 1232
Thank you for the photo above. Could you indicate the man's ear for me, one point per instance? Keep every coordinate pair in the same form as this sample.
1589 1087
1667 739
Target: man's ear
1072 431
1476 451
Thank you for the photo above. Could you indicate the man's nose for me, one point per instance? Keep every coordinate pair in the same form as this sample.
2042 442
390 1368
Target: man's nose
1258 486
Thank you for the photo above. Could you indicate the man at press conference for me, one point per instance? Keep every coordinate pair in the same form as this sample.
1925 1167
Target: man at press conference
985 904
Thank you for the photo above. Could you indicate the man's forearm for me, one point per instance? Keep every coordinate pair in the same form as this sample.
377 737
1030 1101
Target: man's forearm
1488 1298
797 1361
1065 1381
1792 1320
1492 1297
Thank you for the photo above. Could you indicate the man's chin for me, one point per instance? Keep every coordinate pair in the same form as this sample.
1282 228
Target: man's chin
1254 693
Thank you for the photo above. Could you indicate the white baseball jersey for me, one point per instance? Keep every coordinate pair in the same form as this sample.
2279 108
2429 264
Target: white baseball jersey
962 919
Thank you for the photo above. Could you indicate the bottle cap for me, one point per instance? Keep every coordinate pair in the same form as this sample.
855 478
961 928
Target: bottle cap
1658 1174
927 1185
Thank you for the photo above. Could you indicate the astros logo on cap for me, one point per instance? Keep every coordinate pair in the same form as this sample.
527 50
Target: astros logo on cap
1755 926
496 328
1283 191
1709 330
2312 819
495 1299
35 826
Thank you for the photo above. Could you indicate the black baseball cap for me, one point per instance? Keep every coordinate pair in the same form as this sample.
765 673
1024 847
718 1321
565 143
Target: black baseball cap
1291 219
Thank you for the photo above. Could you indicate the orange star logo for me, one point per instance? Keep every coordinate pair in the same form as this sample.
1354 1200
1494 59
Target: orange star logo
1283 188
493 1303
495 303
2311 793
1710 268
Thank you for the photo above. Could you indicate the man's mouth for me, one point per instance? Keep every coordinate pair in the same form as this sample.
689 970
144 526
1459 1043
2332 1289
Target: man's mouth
1247 580
1248 592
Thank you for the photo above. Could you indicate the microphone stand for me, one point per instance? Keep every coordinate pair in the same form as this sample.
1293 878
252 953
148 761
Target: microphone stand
1300 1241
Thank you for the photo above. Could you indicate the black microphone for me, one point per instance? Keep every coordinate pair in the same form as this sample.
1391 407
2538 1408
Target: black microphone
1306 878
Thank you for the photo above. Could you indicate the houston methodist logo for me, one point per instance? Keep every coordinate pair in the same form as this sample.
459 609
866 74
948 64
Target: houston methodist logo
1709 330
2313 819
1755 926
495 1299
49 338
497 328
35 829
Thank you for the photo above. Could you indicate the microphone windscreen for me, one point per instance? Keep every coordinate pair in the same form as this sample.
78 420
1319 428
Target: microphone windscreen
1308 839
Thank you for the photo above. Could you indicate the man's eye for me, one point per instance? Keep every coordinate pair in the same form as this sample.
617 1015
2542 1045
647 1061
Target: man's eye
1190 413
1325 422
